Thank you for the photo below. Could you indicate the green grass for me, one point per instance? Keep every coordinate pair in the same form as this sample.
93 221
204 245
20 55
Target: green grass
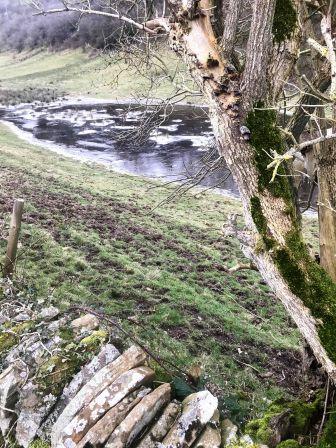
79 73
94 237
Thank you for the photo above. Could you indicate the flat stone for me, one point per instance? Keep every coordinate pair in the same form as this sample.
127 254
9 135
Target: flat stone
107 354
85 323
130 359
160 428
139 417
49 313
229 432
101 431
198 408
22 317
107 399
10 382
211 436
34 408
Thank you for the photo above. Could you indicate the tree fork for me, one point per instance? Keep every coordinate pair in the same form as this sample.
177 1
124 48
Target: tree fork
275 240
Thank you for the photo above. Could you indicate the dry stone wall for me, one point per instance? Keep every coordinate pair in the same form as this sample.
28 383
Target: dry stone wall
65 385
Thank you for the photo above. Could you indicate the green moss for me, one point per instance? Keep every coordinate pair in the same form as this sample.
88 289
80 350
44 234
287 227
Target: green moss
66 333
328 439
55 373
312 284
300 414
265 138
11 336
39 443
285 20
260 222
59 369
95 340
289 444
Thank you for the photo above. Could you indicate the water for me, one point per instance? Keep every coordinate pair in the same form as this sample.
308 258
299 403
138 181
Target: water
172 145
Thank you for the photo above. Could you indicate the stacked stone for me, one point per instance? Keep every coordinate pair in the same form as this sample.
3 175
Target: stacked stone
82 392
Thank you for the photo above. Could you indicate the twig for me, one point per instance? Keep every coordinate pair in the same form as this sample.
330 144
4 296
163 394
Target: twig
319 434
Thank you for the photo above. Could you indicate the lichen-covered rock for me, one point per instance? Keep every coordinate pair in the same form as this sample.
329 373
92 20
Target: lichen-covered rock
132 358
34 407
229 432
11 336
10 382
211 436
139 417
198 409
85 323
107 354
101 431
109 397
49 313
160 428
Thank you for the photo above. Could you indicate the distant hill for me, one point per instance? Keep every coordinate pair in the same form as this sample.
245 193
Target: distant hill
21 30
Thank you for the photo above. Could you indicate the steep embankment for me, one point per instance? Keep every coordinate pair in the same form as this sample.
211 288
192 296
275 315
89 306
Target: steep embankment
78 73
93 237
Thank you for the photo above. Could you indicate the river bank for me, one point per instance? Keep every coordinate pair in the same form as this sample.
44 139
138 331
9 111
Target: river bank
96 237
78 73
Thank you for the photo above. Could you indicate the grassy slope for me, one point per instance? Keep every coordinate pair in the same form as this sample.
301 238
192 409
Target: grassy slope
91 236
77 73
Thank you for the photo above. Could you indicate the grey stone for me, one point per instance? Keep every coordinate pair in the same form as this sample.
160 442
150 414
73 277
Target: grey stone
133 357
139 417
229 432
49 313
211 436
34 408
101 431
198 409
107 399
160 428
11 381
85 323
107 354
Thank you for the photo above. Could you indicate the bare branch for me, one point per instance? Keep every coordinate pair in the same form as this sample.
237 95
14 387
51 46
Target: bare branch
153 27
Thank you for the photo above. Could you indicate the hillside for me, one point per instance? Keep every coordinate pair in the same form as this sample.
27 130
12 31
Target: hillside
94 237
77 73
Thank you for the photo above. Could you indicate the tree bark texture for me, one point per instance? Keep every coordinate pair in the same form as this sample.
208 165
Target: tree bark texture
246 133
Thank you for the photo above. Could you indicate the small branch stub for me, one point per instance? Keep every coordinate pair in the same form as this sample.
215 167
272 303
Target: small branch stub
13 238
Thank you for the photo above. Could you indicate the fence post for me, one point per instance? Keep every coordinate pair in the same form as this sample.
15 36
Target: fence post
13 238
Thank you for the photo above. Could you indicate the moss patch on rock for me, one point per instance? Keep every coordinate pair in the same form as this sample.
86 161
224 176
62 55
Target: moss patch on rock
290 443
299 414
285 20
11 336
95 340
39 443
60 368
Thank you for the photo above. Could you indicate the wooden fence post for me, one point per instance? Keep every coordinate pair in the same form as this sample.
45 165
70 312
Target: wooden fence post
13 238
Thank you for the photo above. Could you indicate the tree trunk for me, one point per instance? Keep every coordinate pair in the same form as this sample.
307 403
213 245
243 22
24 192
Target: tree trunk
245 135
325 154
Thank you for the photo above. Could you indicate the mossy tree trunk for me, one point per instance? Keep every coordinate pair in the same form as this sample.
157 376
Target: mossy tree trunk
273 237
